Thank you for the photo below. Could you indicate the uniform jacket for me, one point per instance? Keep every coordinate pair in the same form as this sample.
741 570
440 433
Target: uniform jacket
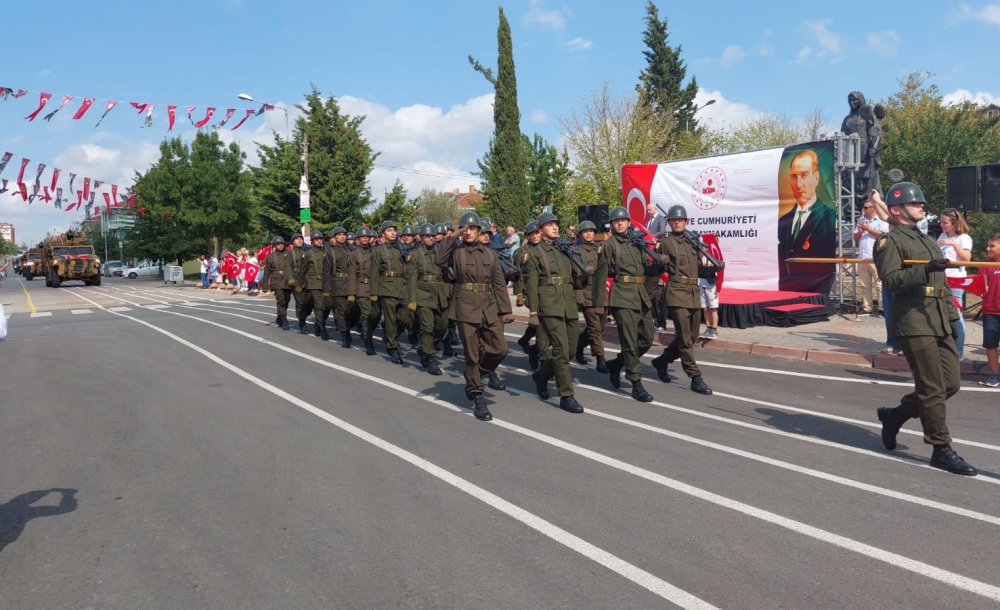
584 283
914 313
277 270
387 272
338 257
315 271
425 283
480 290
548 283
620 258
683 268
359 272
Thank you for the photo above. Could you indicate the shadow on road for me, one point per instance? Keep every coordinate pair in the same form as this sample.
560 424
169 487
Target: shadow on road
826 429
15 514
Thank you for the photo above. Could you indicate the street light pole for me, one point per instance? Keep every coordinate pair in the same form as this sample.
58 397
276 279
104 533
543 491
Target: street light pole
246 97
696 109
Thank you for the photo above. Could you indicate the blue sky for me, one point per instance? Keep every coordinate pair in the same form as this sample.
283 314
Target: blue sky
403 64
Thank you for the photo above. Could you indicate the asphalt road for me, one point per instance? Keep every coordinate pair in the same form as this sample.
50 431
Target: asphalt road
168 447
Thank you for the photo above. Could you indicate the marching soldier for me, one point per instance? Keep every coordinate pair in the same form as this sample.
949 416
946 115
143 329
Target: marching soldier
427 298
338 255
532 237
277 274
315 277
480 307
389 287
359 288
628 265
592 333
440 232
923 322
302 305
683 298
548 284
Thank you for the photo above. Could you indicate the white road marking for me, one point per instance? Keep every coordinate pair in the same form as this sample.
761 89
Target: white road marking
596 554
918 567
77 312
157 306
119 309
42 314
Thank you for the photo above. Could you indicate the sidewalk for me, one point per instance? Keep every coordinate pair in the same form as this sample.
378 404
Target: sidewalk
843 339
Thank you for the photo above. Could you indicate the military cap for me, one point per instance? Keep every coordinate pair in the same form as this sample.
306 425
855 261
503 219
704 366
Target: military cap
317 235
441 229
386 224
586 225
448 225
408 230
427 229
904 192
531 227
617 213
545 218
485 225
296 236
468 219
677 211
337 229
278 240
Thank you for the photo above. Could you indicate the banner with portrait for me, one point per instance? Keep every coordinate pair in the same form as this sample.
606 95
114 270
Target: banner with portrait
763 206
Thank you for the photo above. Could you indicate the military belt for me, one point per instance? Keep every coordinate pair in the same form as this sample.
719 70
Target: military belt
474 287
430 277
339 275
555 280
932 292
364 280
392 274
630 279
687 281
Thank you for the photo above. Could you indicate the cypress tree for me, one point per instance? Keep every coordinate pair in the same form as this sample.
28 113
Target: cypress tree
660 83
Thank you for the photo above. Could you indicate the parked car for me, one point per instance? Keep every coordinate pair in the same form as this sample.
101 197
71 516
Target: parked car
113 268
143 269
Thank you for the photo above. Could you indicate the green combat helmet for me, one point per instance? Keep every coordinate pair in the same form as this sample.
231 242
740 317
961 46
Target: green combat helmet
469 219
278 240
544 218
586 225
485 225
618 213
677 211
386 224
427 229
904 192
531 227
337 229
316 235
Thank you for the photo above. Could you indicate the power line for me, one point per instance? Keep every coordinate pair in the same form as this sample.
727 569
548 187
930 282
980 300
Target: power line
425 173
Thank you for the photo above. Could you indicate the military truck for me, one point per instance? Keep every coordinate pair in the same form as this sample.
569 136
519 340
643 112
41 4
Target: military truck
71 259
32 264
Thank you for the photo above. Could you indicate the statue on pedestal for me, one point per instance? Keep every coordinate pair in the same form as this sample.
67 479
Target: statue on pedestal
865 120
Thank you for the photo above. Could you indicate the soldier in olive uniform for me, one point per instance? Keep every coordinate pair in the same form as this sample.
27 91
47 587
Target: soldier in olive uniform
548 284
532 237
592 333
409 239
427 298
480 307
315 277
338 253
359 288
628 265
389 286
923 322
302 305
277 273
683 298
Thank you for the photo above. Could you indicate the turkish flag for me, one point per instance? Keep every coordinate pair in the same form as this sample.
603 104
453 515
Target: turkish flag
230 264
976 284
250 272
263 252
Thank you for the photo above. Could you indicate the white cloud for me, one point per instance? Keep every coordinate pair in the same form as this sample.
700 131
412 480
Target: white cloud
578 44
548 18
803 54
539 116
830 42
883 44
732 55
988 14
982 98
723 112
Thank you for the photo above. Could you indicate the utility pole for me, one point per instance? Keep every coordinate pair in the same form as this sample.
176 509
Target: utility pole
305 214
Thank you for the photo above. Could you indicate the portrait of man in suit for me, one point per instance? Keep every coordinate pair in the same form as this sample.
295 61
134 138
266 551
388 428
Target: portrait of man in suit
809 229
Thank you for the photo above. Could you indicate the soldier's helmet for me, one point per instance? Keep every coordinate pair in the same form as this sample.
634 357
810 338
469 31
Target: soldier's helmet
366 232
337 229
296 236
485 225
531 227
441 229
387 224
316 235
448 225
586 225
427 229
408 230
677 211
350 236
904 192
468 219
544 218
617 213
278 240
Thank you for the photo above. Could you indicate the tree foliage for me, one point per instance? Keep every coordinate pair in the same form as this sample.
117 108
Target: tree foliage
434 206
394 207
661 85
196 199
548 179
504 167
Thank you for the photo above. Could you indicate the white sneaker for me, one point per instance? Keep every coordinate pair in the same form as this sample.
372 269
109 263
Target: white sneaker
993 381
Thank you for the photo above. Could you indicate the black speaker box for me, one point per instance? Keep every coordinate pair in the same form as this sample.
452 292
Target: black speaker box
990 192
963 188
596 213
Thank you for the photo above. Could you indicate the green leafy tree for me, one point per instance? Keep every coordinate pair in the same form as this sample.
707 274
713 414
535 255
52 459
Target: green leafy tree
548 177
504 168
394 207
434 206
275 187
661 83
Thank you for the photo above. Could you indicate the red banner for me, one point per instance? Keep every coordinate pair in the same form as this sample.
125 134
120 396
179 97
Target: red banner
42 100
976 284
250 272
84 107
262 253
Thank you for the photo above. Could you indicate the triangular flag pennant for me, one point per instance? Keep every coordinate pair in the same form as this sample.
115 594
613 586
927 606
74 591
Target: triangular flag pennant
149 116
4 189
229 115
171 115
24 165
22 188
42 100
46 197
250 113
107 108
7 156
55 178
208 117
84 107
59 200
65 100
86 188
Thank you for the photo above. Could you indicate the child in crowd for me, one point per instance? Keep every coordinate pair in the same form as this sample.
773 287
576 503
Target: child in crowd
991 311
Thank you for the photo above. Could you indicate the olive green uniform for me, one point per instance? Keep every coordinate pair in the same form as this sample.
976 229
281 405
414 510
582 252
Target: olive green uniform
479 302
277 272
389 285
427 291
522 256
628 300
314 277
303 306
593 316
922 321
683 300
359 286
338 256
548 286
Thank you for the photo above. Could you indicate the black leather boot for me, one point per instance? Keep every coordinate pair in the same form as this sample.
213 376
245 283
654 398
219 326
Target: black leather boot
615 372
302 327
541 384
602 365
318 329
945 458
891 423
432 367
370 347
448 351
581 344
532 351
345 339
480 410
698 385
568 403
660 364
493 381
639 393
323 334
284 322
394 357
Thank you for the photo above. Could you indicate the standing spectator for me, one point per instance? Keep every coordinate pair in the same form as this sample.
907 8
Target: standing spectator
991 311
213 271
869 227
496 239
513 241
708 287
656 222
203 267
253 286
956 245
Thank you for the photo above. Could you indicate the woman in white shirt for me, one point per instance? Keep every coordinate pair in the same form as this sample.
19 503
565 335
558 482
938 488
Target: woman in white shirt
956 245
